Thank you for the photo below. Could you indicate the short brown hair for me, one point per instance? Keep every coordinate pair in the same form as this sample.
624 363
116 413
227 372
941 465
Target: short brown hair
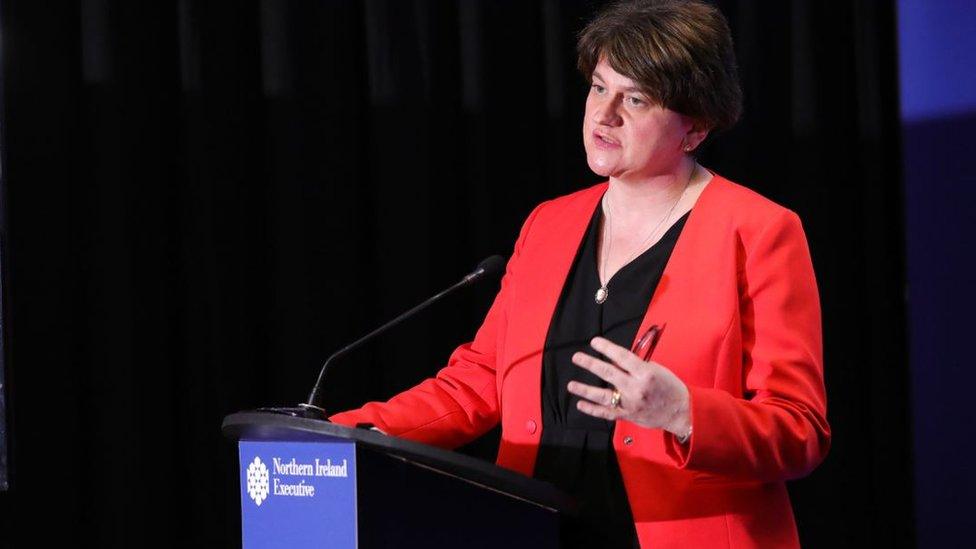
679 52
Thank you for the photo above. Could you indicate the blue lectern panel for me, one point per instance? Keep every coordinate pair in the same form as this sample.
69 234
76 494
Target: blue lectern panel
298 494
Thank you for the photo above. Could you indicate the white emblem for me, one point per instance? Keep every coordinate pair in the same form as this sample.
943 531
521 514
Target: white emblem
257 481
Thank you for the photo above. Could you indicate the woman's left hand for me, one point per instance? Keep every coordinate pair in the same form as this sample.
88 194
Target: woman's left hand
650 394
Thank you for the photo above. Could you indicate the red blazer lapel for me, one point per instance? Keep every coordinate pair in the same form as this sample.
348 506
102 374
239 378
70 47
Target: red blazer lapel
697 294
547 257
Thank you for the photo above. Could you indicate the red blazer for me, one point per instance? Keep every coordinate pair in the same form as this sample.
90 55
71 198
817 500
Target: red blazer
740 302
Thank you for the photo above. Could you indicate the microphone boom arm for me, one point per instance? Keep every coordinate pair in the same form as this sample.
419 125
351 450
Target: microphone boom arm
491 264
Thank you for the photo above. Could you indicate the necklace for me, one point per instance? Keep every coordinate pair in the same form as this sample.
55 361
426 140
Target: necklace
603 292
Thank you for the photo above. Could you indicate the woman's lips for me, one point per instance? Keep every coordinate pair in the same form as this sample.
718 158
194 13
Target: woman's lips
603 142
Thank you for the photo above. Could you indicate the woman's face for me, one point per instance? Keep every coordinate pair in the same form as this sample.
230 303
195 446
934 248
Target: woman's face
628 137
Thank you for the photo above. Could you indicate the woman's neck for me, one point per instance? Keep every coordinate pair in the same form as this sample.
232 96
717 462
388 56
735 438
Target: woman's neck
640 198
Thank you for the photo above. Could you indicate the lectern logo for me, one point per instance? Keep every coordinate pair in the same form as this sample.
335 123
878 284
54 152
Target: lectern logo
257 481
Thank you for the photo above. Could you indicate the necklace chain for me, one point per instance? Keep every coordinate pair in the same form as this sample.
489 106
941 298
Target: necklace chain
603 292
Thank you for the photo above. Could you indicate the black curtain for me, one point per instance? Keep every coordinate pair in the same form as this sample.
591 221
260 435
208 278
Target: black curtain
207 197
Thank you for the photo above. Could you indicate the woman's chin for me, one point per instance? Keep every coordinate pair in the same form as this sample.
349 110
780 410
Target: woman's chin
600 166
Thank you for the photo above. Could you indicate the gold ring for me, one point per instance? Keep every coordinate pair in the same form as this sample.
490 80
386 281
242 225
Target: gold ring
615 399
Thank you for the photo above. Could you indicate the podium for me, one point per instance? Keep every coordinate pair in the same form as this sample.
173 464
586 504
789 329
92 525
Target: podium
311 483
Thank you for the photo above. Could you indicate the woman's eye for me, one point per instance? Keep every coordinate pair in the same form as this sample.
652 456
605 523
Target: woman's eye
598 88
636 101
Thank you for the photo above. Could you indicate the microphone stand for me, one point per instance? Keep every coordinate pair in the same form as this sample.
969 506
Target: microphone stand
309 409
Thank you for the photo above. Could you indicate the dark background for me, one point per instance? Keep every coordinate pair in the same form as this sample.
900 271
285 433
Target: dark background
937 53
207 197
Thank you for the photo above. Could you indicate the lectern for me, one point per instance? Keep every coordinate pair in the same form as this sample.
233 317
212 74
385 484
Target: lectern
311 483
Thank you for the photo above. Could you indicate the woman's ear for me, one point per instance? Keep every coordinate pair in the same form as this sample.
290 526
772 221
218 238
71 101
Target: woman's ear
694 137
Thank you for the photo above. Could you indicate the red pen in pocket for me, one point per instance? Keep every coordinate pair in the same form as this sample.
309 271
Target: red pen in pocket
647 342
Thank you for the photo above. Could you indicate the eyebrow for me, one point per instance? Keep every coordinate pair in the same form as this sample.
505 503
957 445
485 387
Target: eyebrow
596 74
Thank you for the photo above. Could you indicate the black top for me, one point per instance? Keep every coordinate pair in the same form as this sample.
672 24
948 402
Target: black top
576 451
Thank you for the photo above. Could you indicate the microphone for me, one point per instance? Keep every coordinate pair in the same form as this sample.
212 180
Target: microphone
490 266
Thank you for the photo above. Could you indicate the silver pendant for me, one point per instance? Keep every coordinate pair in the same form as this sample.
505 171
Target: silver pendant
602 294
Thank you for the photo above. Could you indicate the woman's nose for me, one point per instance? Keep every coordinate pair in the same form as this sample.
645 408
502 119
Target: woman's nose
606 112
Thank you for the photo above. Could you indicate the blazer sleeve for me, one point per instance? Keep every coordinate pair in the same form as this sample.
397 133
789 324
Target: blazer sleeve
776 430
460 402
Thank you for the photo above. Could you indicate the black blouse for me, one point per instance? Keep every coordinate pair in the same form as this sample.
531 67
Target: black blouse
576 451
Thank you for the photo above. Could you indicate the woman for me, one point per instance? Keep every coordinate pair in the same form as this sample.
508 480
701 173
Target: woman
692 447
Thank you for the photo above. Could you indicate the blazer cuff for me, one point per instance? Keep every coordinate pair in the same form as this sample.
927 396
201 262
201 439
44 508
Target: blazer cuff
707 444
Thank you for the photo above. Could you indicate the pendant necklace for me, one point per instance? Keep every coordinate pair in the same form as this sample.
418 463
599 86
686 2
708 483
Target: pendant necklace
603 292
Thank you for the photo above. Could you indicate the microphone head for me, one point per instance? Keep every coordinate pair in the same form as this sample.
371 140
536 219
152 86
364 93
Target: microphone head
492 265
